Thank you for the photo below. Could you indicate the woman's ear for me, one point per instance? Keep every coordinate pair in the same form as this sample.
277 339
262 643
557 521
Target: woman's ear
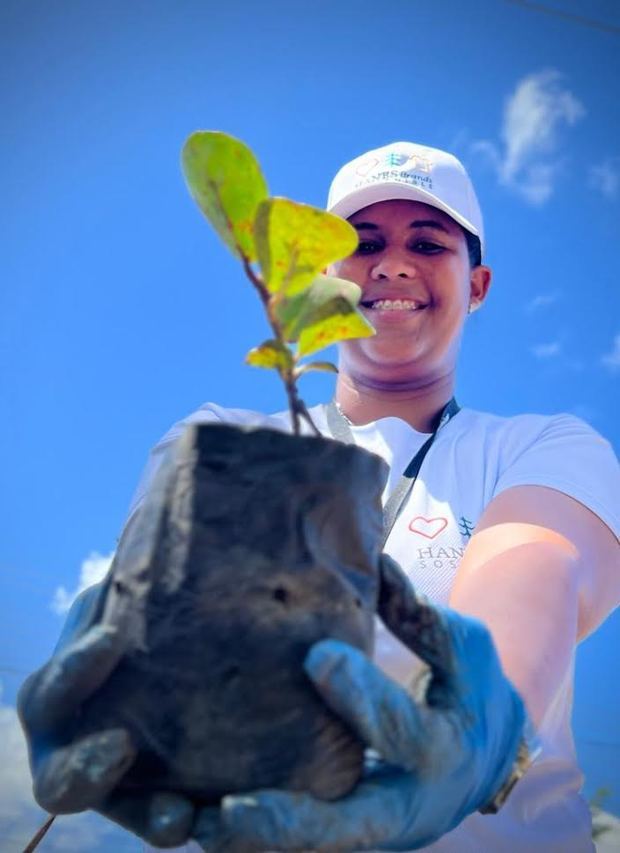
479 284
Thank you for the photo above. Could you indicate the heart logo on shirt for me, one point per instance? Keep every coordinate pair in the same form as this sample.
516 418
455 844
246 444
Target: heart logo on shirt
427 527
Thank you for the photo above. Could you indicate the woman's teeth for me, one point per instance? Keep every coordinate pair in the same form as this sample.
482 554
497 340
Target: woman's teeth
393 305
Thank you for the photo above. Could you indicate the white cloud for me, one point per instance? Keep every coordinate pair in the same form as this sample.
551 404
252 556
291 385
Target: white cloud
533 115
611 360
15 782
605 177
21 817
608 825
526 159
543 300
93 569
549 350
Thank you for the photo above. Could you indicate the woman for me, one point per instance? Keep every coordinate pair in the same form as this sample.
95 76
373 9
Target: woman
510 521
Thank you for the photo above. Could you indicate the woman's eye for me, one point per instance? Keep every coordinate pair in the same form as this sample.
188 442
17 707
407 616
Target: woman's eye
367 247
427 247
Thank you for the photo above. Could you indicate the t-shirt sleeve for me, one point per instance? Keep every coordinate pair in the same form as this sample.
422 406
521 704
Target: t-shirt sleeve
566 454
206 414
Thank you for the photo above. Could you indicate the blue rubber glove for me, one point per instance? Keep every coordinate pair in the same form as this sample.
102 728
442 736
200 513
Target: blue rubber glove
70 777
441 756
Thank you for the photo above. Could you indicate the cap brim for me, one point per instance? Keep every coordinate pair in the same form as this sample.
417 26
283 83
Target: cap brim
365 196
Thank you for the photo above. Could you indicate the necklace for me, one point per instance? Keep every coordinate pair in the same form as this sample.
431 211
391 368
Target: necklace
342 414
340 428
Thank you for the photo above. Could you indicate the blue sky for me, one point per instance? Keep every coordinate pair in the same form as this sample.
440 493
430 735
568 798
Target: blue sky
120 311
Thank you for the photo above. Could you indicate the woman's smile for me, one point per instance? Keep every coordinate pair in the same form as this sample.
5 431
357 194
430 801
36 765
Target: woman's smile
392 310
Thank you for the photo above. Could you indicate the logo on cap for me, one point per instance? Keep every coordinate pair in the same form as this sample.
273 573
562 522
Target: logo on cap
419 163
364 168
412 162
395 159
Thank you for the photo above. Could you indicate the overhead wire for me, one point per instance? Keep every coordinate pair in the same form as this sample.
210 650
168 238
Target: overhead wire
568 16
12 670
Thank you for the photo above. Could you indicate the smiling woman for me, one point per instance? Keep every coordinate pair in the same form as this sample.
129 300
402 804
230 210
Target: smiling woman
418 285
507 525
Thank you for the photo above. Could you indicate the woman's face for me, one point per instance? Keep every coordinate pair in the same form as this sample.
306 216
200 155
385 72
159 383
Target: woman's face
417 284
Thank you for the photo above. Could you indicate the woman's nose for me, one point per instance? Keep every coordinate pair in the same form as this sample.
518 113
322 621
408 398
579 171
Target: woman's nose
394 267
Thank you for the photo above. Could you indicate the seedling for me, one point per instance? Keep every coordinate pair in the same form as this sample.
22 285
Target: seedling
283 246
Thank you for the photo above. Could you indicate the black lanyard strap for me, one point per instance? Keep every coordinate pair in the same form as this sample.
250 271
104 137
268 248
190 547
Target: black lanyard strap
340 428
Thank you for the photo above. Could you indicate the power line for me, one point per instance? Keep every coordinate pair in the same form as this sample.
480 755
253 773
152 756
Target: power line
568 16
596 742
13 670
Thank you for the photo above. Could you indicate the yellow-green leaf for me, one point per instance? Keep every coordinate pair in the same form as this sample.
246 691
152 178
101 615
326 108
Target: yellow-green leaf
326 296
323 366
344 323
225 180
295 242
270 354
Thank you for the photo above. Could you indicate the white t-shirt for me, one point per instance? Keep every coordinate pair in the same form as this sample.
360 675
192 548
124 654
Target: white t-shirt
474 458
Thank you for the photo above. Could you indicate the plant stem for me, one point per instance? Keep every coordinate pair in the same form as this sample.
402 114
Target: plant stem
293 403
259 285
38 836
307 417
297 407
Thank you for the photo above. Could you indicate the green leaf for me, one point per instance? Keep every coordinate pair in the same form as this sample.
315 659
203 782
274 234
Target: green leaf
323 314
272 354
225 180
324 366
294 242
294 313
330 330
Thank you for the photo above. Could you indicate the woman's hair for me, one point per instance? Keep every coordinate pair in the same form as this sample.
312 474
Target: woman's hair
473 248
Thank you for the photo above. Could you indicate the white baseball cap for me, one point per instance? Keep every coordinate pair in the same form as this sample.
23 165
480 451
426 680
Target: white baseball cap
405 170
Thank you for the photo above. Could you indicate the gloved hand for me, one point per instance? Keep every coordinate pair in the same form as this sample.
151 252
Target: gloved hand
441 755
68 776
440 758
